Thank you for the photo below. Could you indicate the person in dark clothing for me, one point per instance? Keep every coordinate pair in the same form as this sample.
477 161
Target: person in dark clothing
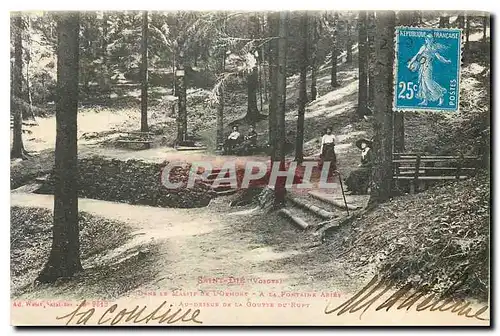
249 142
251 137
358 181
366 152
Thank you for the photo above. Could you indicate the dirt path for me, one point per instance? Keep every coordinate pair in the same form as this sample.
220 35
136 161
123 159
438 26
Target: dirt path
218 241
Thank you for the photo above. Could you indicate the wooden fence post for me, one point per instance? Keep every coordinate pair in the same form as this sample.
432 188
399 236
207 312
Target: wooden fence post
414 185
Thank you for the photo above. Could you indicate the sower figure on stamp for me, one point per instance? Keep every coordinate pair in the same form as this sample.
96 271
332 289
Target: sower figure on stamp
428 88
328 150
358 181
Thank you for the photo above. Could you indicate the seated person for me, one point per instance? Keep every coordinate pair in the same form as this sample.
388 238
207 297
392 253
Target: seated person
366 152
358 181
232 140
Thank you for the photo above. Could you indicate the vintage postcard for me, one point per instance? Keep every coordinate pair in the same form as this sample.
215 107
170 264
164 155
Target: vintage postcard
239 168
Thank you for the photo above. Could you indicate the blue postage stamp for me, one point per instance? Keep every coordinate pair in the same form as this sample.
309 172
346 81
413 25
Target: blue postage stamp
427 69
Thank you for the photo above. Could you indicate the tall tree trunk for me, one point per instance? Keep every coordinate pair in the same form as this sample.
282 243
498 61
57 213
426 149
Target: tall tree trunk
260 60
144 73
220 112
314 57
405 18
467 35
28 85
29 98
382 126
335 52
64 258
279 191
16 95
363 64
348 42
371 58
253 77
261 94
181 94
86 45
196 54
299 144
105 79
273 20
485 27
461 21
220 93
485 148
263 54
408 18
252 85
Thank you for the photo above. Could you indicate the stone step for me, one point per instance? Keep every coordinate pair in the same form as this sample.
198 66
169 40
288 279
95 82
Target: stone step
28 188
222 187
311 158
226 192
190 148
25 123
330 200
213 175
319 212
210 183
301 223
42 179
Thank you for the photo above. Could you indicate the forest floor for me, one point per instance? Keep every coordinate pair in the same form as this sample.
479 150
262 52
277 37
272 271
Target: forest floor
183 244
178 246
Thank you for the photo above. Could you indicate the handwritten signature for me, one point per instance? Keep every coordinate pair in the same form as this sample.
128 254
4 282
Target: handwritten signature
135 315
407 296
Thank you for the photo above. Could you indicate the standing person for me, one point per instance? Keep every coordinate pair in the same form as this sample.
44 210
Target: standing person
358 181
328 149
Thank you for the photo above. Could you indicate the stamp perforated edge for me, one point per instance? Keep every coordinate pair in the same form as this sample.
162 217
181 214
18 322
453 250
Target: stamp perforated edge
395 70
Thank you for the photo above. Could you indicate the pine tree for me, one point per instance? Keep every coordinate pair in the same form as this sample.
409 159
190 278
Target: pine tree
253 76
467 35
220 91
273 20
405 18
144 73
371 58
362 64
64 258
335 52
17 86
382 126
279 194
485 27
314 57
348 42
461 21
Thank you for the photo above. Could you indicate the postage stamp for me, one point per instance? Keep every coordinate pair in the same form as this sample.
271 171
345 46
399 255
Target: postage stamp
427 69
